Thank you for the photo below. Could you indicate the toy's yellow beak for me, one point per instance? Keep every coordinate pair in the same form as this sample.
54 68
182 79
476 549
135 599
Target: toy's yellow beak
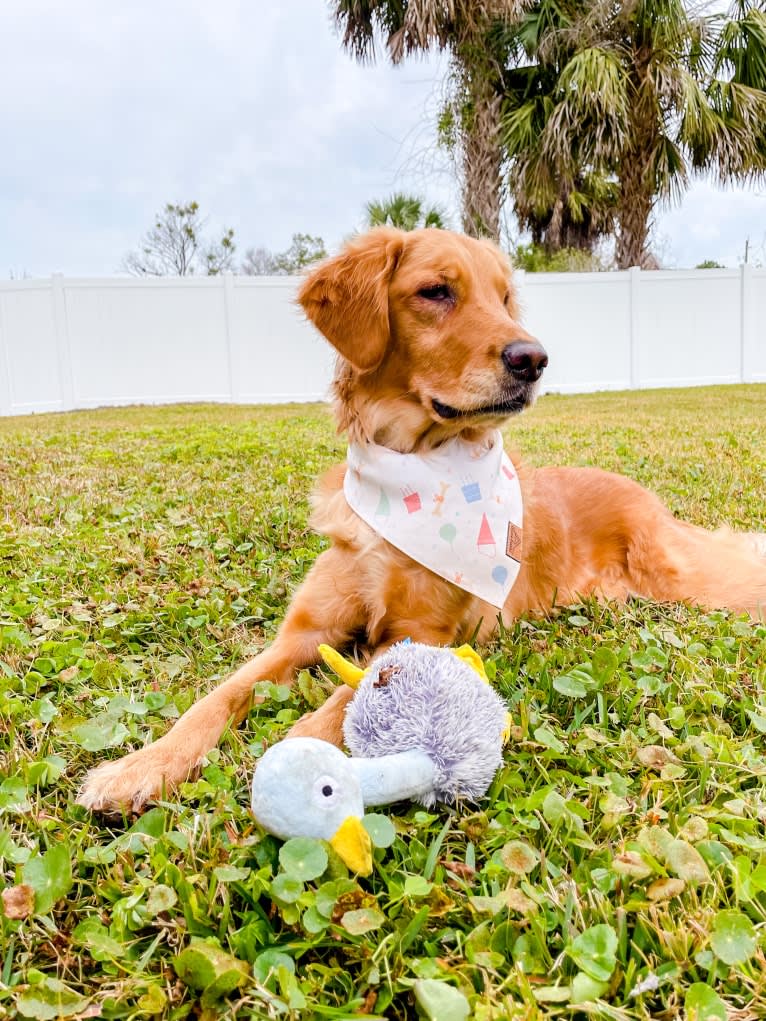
348 672
353 846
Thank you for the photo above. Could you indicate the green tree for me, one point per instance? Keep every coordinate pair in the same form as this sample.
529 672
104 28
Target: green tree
612 108
572 210
407 212
536 258
464 28
304 250
176 246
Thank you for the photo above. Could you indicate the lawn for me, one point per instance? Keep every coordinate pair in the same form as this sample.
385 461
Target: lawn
616 870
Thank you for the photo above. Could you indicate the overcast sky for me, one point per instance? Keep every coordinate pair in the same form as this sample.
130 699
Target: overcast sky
108 110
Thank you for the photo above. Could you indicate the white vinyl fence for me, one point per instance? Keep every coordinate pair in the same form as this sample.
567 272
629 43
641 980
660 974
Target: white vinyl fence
81 343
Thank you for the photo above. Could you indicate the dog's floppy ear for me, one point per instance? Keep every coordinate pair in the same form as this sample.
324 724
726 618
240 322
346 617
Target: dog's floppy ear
346 297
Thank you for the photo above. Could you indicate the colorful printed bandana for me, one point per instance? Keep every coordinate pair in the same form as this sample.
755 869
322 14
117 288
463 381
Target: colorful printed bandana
456 510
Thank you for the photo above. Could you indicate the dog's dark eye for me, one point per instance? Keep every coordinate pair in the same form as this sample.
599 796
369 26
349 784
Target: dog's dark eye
439 292
327 790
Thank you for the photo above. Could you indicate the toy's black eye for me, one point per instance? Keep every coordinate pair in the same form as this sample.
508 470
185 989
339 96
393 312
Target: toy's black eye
326 790
437 292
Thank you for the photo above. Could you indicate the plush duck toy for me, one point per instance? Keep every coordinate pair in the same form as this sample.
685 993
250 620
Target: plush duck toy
424 724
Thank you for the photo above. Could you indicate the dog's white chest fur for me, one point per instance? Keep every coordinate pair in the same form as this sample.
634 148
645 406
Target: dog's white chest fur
456 510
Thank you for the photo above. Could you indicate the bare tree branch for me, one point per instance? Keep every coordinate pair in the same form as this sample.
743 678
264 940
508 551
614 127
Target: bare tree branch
175 246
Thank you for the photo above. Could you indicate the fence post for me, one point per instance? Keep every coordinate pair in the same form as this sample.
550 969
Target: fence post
747 320
634 340
228 312
63 351
5 371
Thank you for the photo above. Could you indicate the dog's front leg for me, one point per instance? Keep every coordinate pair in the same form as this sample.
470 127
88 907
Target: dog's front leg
326 722
325 609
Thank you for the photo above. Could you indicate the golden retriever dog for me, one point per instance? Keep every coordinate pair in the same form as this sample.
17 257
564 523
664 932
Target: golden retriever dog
430 347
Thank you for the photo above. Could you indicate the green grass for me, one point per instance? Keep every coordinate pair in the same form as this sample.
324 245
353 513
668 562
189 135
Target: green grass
146 552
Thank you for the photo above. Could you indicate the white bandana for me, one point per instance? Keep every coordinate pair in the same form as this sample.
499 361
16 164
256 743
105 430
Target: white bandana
456 510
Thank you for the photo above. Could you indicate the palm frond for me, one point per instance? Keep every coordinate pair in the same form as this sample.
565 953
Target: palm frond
700 124
740 142
407 212
435 218
356 22
742 51
667 169
522 125
593 108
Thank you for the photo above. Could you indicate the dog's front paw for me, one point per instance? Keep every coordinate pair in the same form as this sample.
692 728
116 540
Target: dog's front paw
127 784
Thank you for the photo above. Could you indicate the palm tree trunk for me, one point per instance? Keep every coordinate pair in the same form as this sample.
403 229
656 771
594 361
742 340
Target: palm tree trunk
482 159
637 191
637 185
634 217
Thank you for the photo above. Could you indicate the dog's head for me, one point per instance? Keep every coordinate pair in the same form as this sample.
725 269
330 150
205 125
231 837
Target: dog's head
426 326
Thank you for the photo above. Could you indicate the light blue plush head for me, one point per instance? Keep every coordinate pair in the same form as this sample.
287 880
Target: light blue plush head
303 787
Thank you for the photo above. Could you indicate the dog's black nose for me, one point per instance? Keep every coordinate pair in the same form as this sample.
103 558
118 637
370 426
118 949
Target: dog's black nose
525 360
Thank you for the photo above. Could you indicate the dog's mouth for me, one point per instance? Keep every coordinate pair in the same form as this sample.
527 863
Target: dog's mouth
510 405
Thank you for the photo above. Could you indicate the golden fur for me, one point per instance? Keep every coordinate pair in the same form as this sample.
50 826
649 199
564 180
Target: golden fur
420 322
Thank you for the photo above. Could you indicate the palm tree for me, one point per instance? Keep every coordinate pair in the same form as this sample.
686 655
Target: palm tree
407 212
561 207
635 98
465 28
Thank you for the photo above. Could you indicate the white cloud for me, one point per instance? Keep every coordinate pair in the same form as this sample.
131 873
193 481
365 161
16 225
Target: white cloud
713 223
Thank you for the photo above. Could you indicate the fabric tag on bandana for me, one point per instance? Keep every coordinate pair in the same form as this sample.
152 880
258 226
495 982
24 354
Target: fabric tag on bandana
456 510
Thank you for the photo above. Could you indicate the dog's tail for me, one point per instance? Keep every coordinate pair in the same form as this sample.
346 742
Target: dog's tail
717 569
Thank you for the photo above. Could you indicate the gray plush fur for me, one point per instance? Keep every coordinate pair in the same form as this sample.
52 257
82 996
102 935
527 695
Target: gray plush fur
420 697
